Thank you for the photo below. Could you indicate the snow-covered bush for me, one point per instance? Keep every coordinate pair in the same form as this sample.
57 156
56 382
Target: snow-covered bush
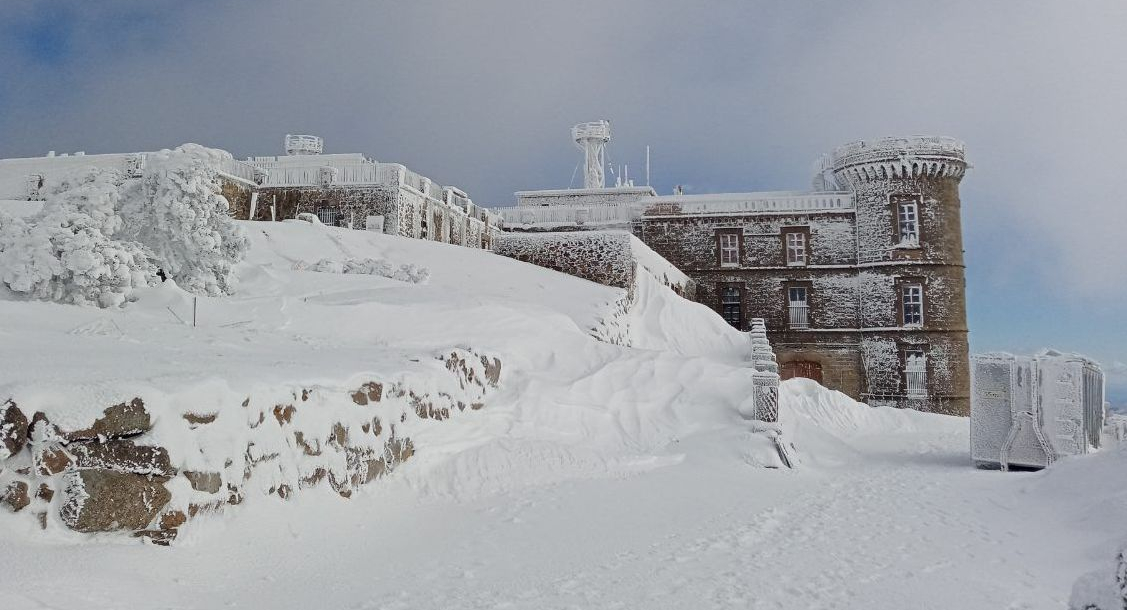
69 253
407 272
179 214
101 234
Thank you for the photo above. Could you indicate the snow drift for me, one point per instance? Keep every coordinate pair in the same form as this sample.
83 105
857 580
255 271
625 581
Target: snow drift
493 445
263 395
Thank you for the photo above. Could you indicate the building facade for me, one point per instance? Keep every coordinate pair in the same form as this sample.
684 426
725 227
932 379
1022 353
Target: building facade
351 190
346 190
860 281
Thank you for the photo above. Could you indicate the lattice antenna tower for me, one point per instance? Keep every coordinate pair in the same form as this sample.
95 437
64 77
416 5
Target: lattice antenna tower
592 139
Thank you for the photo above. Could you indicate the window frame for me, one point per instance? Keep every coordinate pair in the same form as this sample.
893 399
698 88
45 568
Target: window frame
787 234
723 289
924 374
325 210
896 205
905 287
808 289
721 248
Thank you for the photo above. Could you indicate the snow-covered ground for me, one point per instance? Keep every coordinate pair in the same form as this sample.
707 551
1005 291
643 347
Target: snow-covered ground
599 475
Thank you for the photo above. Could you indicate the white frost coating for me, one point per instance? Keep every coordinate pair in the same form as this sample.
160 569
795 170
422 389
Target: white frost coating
74 495
73 250
102 234
20 209
656 264
406 272
1032 411
178 213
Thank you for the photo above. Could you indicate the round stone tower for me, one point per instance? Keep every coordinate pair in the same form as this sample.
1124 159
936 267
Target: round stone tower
911 286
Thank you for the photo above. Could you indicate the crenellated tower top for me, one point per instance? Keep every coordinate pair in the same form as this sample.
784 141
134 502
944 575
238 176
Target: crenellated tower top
885 158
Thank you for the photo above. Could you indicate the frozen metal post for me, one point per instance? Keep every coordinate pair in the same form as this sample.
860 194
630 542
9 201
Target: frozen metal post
765 378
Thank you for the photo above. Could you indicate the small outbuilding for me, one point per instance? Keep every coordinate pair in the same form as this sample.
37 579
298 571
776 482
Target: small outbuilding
1030 410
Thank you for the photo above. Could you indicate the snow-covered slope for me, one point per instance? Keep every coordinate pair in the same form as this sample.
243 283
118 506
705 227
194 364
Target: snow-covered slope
596 475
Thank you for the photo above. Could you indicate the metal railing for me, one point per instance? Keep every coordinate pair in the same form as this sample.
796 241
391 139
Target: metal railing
799 315
234 168
365 172
752 202
915 382
612 213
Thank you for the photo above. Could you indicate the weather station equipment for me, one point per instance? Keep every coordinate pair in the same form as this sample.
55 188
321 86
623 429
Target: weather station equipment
592 139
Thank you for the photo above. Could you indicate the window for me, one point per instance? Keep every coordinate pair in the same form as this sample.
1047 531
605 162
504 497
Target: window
908 220
731 306
915 372
798 308
913 299
729 248
796 247
328 215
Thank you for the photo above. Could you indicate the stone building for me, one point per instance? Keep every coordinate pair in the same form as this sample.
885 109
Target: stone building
347 190
860 280
351 190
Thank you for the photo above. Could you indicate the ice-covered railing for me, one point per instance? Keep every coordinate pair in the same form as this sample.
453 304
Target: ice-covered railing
348 170
240 170
595 214
726 203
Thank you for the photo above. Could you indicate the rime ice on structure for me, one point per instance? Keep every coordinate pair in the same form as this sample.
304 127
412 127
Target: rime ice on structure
351 190
348 190
1029 411
859 281
766 375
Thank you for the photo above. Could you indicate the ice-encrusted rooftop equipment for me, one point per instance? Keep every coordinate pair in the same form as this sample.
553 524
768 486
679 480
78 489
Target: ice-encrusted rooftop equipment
592 139
1029 411
304 145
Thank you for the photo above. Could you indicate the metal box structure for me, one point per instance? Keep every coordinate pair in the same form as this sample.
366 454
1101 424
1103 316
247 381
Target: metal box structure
1029 411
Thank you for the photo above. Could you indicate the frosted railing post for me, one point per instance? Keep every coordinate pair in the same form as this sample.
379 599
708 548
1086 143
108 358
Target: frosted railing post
765 376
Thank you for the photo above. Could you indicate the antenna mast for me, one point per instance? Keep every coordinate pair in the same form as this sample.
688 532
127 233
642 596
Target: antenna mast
592 139
647 164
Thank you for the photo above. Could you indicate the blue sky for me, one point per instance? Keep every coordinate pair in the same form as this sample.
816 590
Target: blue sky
730 95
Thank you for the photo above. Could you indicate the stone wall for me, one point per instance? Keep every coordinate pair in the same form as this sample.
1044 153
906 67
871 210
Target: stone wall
689 241
603 257
356 203
611 258
148 464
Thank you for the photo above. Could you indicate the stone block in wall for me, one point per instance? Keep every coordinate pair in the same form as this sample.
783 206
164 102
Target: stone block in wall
104 500
123 456
13 429
119 421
